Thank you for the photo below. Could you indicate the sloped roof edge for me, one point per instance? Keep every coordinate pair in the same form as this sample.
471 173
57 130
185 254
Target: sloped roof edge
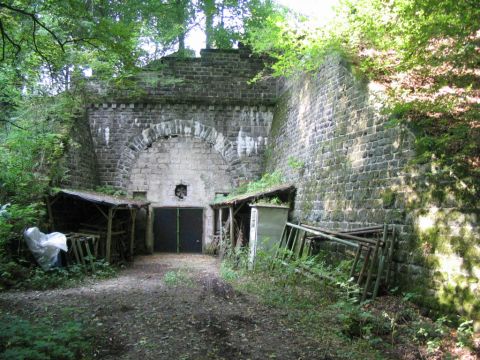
102 199
250 196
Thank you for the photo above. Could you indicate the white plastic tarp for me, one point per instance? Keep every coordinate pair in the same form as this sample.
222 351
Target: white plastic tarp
45 247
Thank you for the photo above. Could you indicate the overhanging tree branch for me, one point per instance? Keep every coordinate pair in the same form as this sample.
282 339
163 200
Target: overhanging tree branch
36 22
12 123
5 38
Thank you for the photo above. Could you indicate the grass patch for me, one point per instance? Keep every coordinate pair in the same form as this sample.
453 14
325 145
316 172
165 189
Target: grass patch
177 278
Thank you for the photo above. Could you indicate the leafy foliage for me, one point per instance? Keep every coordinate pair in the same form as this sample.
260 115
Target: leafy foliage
425 54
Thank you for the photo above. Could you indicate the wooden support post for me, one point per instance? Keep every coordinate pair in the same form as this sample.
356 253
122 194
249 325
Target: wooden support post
108 249
297 235
220 226
370 270
381 264
232 231
302 245
391 249
364 266
355 262
149 233
133 215
289 238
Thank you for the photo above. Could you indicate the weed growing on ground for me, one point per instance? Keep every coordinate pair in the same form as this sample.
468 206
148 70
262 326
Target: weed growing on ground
177 278
39 340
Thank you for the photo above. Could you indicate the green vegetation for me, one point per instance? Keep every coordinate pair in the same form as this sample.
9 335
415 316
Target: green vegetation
41 340
328 309
266 182
110 190
51 55
25 276
423 55
177 278
423 52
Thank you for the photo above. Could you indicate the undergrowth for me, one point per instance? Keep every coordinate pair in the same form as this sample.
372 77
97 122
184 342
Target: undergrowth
20 276
326 306
267 181
42 339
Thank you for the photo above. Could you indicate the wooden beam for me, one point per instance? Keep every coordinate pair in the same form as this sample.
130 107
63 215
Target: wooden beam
238 209
322 234
220 225
133 215
232 240
103 212
149 233
370 270
108 249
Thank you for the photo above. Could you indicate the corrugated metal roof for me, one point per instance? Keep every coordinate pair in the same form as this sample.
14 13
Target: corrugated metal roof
250 196
99 198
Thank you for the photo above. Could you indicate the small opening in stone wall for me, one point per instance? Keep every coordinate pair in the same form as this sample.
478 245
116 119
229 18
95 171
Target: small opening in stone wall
181 191
139 195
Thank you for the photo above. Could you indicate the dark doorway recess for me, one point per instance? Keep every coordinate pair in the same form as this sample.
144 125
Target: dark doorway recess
178 230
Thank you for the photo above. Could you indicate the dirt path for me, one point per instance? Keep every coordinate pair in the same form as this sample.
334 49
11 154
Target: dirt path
171 307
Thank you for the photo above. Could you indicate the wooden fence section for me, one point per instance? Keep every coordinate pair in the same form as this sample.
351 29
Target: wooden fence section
373 246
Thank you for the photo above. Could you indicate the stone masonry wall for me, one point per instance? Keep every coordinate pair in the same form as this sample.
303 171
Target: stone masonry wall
217 77
81 159
187 161
329 137
183 105
209 98
121 131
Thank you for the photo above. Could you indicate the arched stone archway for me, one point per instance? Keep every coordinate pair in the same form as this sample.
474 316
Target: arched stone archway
167 129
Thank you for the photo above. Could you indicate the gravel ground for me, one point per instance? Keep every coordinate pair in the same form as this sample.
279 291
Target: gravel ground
141 315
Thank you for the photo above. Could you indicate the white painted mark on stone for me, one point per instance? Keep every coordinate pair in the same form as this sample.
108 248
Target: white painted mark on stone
107 135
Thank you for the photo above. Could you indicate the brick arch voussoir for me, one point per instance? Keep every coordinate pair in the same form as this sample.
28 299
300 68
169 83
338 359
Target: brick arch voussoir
167 129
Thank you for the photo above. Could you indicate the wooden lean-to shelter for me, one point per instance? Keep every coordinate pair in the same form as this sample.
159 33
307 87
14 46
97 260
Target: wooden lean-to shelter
233 215
108 220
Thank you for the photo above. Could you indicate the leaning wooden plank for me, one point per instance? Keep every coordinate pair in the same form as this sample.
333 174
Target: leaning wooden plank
277 251
75 251
355 261
288 242
364 266
391 249
232 234
91 259
324 235
297 235
381 264
340 234
366 229
370 270
302 244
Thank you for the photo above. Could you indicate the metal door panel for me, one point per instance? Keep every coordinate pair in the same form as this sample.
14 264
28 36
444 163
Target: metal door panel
165 229
191 230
